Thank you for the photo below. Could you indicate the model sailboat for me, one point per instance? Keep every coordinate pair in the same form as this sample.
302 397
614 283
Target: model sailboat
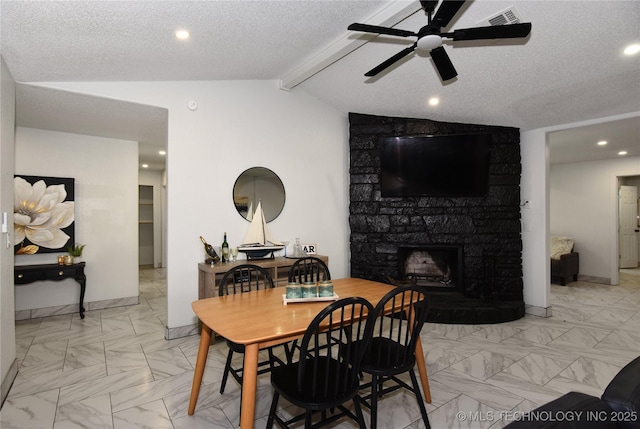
250 212
258 242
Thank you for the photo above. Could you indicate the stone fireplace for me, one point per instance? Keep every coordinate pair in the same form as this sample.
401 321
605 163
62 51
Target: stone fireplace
403 240
437 268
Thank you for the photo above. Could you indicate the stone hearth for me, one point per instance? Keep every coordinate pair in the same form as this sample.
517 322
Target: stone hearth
488 287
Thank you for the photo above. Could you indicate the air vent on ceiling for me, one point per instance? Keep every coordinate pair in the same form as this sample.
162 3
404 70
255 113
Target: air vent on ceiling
507 16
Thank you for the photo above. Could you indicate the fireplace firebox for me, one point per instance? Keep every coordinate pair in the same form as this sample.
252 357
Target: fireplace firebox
436 267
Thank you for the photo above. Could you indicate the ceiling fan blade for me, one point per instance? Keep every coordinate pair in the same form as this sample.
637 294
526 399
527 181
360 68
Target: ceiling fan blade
381 30
446 12
397 57
509 31
443 63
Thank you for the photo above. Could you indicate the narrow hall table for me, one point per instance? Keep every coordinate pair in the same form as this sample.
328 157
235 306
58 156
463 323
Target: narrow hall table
25 274
259 319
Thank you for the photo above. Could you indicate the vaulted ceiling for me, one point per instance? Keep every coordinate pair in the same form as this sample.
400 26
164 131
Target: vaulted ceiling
569 69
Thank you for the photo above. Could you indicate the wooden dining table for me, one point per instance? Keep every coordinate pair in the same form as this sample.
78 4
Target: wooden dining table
260 319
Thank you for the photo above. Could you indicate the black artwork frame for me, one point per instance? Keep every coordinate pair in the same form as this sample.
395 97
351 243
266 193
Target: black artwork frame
69 186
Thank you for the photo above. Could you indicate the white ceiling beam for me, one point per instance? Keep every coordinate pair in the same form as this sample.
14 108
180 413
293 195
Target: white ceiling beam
388 16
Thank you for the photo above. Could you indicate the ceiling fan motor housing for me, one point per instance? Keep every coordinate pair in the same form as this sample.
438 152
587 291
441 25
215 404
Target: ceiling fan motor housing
429 42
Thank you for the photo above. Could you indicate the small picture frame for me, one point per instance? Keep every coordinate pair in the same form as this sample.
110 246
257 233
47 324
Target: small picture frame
309 249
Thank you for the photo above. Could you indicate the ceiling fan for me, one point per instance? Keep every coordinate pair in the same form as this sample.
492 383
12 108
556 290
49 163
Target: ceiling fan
430 36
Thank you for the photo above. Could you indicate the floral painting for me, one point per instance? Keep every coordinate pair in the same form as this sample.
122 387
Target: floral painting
43 213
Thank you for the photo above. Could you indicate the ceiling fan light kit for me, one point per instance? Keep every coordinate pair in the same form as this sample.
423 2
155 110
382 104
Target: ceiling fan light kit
429 42
429 37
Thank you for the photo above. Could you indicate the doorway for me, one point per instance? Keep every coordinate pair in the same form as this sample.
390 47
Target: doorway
628 222
151 224
145 226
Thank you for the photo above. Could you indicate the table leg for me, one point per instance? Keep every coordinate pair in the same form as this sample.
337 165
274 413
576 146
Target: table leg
82 281
201 361
249 386
422 369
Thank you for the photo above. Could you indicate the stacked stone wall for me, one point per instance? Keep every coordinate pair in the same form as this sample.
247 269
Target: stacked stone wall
488 227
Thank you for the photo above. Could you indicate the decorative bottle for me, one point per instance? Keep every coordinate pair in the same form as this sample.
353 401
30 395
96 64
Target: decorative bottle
208 249
297 249
224 249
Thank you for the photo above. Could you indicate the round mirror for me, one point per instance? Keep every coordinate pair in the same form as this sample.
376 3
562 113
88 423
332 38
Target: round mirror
259 184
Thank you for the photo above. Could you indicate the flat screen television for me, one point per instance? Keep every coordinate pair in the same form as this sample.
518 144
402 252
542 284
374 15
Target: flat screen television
435 165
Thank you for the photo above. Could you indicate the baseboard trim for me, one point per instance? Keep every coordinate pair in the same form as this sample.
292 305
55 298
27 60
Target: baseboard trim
592 279
181 331
8 381
534 310
35 313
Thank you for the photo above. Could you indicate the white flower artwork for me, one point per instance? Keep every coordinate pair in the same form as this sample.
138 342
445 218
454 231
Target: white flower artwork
43 214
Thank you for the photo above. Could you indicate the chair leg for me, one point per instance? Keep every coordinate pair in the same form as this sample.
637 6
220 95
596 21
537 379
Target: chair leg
416 389
307 419
374 402
380 386
289 350
271 358
356 405
225 374
272 410
240 410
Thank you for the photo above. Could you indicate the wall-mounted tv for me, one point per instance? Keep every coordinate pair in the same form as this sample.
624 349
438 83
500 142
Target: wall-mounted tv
435 165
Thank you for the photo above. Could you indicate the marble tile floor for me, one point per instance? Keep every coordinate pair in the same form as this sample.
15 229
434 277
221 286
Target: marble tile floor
115 370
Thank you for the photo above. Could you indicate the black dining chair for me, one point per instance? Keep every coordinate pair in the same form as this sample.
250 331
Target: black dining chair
239 279
391 350
309 269
326 375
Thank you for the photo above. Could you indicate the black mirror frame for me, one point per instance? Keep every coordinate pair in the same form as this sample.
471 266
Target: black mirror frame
242 208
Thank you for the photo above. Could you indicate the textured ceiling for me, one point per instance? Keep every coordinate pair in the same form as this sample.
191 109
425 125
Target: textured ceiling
102 40
570 69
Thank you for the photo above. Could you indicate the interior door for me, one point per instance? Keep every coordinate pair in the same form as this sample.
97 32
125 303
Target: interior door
628 226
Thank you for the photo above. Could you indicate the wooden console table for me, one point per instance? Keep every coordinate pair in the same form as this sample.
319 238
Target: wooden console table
209 276
25 274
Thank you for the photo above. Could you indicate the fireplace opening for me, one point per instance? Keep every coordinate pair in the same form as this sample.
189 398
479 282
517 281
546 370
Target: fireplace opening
436 267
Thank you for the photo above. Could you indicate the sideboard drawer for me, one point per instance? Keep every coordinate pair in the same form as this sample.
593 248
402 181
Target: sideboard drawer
61 273
25 277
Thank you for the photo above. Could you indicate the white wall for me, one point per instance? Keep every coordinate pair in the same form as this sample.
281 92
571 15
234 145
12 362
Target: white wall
583 205
534 201
8 364
242 124
106 213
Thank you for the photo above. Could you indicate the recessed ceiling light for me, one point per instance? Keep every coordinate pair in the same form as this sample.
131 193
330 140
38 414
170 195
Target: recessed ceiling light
182 34
602 142
434 101
632 49
145 165
622 152
162 152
